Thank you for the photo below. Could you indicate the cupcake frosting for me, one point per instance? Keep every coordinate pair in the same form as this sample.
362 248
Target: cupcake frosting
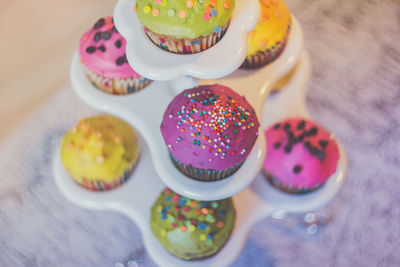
210 127
300 153
184 18
99 148
272 27
102 50
191 229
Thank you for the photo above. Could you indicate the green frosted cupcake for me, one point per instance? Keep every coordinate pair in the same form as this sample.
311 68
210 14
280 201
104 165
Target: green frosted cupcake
185 26
100 152
191 229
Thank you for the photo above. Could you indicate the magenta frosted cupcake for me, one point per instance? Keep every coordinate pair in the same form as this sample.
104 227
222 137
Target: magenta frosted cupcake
209 131
301 155
102 53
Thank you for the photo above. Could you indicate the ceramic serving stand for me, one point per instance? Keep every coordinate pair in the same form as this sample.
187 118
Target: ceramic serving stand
253 196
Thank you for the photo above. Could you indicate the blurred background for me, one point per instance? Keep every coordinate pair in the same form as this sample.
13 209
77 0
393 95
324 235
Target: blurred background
38 40
354 91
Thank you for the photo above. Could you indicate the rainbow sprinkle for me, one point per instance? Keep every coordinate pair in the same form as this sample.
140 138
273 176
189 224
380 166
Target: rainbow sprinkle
185 210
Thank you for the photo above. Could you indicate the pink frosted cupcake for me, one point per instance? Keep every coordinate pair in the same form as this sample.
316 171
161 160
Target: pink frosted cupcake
102 52
301 155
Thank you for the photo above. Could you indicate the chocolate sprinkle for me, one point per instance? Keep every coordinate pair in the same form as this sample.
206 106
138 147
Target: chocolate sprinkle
297 169
99 24
292 139
313 131
286 127
323 143
301 125
314 151
118 44
102 48
121 60
106 36
287 149
300 138
321 155
114 29
307 144
90 49
97 37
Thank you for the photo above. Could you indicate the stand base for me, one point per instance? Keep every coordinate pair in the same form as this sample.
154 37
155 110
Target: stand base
137 195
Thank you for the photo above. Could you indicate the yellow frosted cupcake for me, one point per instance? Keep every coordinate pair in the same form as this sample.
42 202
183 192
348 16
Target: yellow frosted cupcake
100 152
268 39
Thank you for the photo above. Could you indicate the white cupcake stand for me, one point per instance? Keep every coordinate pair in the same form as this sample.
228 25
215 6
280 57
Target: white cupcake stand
253 196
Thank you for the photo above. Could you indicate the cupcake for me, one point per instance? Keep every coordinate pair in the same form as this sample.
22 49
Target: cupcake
268 39
186 26
301 155
191 229
102 53
100 152
209 131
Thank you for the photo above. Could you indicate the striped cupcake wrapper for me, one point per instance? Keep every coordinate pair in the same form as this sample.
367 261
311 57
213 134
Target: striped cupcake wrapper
186 46
116 86
97 185
204 175
275 182
262 58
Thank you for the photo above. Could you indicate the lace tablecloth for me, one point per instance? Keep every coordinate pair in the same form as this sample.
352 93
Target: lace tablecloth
354 91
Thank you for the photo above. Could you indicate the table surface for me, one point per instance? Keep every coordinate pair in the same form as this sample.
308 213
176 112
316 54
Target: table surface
354 92
34 63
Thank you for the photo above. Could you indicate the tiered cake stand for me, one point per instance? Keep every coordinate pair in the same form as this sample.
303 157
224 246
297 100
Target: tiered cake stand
253 196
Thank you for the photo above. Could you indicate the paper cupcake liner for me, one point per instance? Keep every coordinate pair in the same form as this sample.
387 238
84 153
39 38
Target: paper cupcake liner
98 185
116 86
262 58
185 46
275 182
205 175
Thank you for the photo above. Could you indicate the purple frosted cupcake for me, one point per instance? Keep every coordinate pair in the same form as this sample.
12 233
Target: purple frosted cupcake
209 131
